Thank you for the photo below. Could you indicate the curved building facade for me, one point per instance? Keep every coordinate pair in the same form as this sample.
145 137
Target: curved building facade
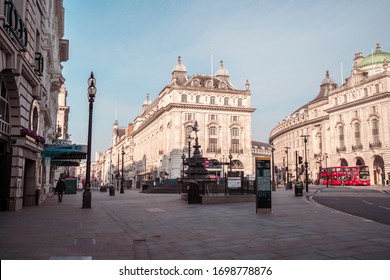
343 125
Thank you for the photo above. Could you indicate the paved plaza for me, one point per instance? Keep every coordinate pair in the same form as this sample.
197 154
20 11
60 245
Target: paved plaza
143 226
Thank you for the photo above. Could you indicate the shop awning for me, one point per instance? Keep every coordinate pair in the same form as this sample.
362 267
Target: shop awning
65 152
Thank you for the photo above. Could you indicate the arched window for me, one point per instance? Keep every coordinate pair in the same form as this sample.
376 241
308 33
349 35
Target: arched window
184 98
341 138
4 109
357 134
213 140
235 140
226 101
34 120
375 132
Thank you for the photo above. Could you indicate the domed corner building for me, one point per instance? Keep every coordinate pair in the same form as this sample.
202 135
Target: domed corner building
343 125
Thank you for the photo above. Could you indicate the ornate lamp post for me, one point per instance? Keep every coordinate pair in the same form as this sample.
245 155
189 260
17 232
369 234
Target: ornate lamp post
122 189
87 197
183 157
230 162
306 164
189 144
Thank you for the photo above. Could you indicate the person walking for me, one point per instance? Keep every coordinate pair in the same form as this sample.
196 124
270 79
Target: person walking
60 188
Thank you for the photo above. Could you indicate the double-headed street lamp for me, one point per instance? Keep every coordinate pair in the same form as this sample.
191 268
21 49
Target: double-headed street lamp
122 189
87 196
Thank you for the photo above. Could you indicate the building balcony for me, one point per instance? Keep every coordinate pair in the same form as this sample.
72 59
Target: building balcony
357 147
236 151
341 149
213 150
375 144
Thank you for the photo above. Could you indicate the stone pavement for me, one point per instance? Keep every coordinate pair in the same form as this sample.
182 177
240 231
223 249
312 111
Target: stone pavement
143 226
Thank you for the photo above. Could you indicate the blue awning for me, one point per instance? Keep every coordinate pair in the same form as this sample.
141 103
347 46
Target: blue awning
65 152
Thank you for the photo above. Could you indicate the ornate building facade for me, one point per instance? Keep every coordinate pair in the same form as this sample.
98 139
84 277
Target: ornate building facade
31 51
343 125
163 131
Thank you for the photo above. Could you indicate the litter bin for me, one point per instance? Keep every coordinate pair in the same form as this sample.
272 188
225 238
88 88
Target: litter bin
193 194
299 188
112 191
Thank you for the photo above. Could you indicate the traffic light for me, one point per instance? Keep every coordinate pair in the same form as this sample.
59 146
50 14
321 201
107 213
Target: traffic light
300 160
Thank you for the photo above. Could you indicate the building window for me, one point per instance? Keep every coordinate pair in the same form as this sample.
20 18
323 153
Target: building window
375 131
184 98
341 137
235 134
213 140
198 99
226 101
212 99
189 116
34 121
320 142
4 109
377 88
235 119
365 92
239 101
357 134
213 118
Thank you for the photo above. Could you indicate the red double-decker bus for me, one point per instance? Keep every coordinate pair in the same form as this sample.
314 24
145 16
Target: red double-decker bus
358 175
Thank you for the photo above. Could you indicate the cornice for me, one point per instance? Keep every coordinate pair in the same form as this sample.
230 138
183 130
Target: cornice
190 107
358 102
296 126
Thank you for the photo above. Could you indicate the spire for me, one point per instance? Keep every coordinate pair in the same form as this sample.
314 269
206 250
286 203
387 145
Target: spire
247 84
378 47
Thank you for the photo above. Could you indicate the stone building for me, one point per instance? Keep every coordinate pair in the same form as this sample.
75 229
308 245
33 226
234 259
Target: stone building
163 134
344 125
31 51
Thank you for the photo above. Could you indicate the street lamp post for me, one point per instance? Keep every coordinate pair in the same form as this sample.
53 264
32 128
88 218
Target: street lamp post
183 157
306 164
326 166
288 174
230 162
122 188
273 167
87 196
189 144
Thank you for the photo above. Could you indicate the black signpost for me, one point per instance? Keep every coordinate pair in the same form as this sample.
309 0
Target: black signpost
263 185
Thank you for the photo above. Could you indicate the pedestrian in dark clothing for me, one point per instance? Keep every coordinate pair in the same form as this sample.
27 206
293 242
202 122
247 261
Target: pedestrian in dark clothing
60 189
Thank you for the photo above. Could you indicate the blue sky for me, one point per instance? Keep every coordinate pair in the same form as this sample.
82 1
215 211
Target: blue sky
282 47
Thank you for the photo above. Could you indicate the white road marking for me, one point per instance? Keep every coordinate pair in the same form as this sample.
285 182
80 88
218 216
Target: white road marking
367 202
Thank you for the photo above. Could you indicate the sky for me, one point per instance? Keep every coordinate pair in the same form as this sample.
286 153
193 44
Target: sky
283 48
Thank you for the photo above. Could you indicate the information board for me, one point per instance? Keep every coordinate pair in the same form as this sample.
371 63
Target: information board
263 184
